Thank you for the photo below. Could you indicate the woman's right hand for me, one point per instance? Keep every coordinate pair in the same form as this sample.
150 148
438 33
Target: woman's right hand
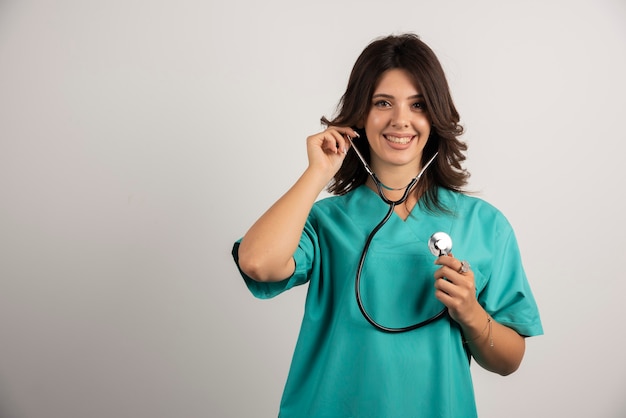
327 149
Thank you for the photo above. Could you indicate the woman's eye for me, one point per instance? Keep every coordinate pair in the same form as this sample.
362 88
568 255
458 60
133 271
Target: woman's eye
382 103
420 105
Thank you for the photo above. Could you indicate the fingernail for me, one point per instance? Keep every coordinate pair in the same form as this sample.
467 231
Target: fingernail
357 134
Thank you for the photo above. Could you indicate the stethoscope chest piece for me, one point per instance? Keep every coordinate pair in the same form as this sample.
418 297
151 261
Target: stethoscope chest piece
440 244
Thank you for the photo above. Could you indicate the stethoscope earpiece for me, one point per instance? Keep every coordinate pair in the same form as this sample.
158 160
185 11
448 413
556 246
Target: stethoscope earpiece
440 244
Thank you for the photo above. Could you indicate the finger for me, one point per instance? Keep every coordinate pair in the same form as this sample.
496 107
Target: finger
460 280
444 285
326 141
443 297
454 296
453 276
446 271
334 142
347 134
344 130
452 263
448 280
446 292
341 143
446 260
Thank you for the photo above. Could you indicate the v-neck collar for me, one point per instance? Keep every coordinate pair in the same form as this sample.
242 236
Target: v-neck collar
421 223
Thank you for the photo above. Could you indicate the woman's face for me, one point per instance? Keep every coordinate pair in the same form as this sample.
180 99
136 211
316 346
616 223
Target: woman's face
397 125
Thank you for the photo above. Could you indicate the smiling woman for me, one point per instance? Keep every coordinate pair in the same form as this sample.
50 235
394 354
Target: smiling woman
139 140
399 111
398 128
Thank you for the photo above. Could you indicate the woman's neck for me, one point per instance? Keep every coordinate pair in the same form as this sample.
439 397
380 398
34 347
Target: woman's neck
395 177
392 186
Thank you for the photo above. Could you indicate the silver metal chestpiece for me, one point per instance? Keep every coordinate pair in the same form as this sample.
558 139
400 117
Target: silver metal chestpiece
440 244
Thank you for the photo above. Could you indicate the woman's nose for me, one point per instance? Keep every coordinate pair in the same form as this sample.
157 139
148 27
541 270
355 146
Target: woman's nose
400 117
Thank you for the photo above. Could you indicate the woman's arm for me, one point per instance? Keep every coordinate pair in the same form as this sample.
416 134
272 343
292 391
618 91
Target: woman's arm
266 250
495 347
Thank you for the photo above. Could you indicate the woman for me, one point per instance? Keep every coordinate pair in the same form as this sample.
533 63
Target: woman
398 109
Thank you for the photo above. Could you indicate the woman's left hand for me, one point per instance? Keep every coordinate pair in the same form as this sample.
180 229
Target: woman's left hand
456 289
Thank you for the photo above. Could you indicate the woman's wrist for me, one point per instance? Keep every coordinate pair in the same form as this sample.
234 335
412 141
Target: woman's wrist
486 332
478 325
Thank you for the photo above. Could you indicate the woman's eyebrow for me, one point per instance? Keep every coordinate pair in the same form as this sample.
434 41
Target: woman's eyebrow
389 96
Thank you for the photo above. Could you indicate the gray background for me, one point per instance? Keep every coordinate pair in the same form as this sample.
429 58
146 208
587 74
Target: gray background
139 139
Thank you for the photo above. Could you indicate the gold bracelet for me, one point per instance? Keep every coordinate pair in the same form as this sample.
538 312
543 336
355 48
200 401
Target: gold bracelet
487 325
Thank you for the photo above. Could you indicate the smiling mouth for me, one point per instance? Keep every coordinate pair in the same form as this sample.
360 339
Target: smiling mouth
399 139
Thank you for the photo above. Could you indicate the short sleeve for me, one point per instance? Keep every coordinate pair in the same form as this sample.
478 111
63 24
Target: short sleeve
507 295
303 257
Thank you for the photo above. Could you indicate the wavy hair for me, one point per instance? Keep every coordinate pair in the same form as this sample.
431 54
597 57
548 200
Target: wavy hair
407 52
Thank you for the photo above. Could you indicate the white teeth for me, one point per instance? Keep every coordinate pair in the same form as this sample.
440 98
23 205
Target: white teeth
399 140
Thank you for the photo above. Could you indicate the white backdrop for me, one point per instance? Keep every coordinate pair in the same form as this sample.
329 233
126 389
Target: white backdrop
139 139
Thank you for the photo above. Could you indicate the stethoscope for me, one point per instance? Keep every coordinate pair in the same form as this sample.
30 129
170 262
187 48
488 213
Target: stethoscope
439 243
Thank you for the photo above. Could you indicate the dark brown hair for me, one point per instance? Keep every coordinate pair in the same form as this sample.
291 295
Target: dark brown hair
409 53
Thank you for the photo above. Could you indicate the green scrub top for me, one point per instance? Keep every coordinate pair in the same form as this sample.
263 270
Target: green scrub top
343 366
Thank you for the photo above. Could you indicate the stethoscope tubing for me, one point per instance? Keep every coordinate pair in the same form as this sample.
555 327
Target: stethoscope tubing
357 285
392 204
